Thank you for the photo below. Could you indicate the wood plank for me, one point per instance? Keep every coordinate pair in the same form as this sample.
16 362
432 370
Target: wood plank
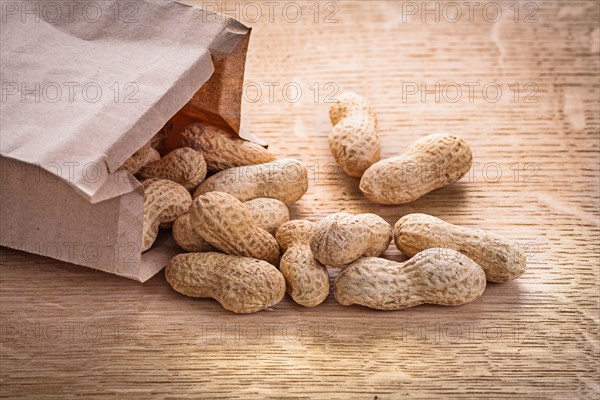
67 331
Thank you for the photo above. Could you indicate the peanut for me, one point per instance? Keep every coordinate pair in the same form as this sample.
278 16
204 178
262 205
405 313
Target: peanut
187 238
164 201
145 184
185 166
285 180
268 214
341 238
307 280
240 284
221 150
500 261
434 276
353 141
224 221
147 154
429 163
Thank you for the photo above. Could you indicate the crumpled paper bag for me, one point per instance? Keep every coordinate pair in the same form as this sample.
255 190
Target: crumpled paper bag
83 88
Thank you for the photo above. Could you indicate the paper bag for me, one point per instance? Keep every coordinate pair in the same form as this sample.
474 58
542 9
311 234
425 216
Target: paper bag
83 88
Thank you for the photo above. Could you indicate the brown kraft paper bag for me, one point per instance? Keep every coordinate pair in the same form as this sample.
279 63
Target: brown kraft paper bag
83 88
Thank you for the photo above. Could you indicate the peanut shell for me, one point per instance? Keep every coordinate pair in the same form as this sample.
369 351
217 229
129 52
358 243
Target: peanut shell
285 180
342 238
429 163
185 166
307 280
164 202
241 284
224 221
221 150
501 261
353 141
434 276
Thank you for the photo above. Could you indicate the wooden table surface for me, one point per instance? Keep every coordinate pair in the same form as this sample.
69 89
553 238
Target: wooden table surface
68 331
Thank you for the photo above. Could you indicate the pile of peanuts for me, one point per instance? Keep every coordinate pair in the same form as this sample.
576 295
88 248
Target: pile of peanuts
242 250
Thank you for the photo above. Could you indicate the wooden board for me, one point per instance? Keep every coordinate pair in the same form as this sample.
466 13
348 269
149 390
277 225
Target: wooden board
68 331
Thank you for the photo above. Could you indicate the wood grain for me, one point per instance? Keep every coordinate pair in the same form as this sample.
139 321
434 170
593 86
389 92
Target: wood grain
67 331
